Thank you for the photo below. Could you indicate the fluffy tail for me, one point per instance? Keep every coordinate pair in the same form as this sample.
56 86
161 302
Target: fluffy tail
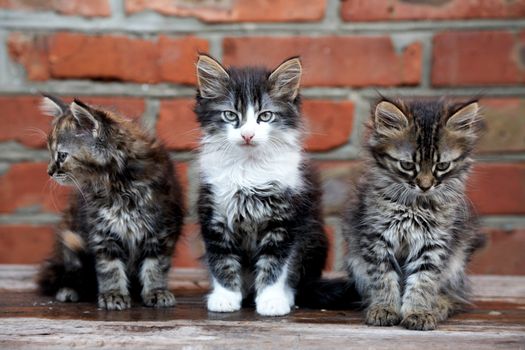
337 293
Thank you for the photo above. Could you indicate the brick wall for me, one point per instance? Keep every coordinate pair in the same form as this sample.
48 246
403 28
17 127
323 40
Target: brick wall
138 56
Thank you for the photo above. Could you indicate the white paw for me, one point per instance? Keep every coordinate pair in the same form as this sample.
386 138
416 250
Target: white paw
223 300
274 301
66 294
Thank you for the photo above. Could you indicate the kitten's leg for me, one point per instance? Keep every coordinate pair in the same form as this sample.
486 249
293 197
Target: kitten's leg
422 287
113 291
223 258
72 246
154 278
274 297
377 280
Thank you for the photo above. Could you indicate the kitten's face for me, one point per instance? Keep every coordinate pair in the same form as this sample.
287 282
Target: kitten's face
425 145
73 142
248 109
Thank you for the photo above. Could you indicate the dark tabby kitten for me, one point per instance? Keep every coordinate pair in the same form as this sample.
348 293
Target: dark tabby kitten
124 219
259 202
412 231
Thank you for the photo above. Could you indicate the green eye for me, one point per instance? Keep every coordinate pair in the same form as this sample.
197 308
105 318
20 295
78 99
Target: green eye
409 166
61 156
266 116
229 116
442 166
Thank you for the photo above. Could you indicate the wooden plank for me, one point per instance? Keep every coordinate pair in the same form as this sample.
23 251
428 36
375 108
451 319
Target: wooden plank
28 321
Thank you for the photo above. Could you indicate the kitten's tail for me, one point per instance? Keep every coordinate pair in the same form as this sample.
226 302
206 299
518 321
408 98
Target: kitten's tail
336 293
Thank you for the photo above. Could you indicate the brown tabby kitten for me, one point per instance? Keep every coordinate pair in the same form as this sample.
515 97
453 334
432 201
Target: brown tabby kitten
118 235
412 232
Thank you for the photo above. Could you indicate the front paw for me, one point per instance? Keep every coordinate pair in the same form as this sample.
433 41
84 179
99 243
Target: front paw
420 321
67 295
276 306
223 300
381 315
114 301
158 298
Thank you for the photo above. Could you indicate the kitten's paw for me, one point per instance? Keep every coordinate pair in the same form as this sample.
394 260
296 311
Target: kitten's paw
67 295
380 315
420 321
272 306
158 298
114 301
223 300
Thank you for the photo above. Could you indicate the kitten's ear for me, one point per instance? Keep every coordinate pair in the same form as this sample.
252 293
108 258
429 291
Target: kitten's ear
52 106
211 77
466 120
389 120
85 116
286 78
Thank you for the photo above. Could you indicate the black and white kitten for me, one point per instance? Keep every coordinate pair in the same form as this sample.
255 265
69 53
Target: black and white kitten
259 205
118 235
411 231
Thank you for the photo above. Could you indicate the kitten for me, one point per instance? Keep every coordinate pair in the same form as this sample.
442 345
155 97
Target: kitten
259 203
412 231
118 235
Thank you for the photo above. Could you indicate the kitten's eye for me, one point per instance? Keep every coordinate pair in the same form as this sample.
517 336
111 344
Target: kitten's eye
407 165
442 166
265 117
229 116
61 156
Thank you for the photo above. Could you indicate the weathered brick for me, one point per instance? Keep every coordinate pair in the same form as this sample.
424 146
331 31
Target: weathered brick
478 58
92 8
505 125
22 120
190 247
177 125
107 57
498 188
400 10
26 187
333 61
329 124
25 244
235 11
502 255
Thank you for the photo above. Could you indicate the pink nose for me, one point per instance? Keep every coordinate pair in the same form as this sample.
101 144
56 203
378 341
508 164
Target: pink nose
247 137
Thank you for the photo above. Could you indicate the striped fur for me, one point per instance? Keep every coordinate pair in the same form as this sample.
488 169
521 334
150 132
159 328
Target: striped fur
411 230
118 235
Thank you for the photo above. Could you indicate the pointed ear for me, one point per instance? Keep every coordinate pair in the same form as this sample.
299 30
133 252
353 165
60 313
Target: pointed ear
52 106
211 77
85 116
389 120
286 78
466 120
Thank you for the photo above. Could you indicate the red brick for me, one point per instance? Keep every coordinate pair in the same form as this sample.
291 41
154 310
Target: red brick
24 122
235 11
505 125
107 57
503 254
190 247
478 58
25 244
400 10
27 186
333 61
177 125
329 124
92 8
498 188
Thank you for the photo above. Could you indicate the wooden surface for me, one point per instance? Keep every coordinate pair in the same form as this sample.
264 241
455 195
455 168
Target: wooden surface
28 321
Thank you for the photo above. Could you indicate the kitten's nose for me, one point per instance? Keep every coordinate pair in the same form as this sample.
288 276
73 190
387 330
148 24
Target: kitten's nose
50 172
248 137
424 183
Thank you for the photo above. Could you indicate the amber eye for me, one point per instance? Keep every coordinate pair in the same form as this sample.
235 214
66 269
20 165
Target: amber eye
442 166
266 117
61 156
229 116
409 166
